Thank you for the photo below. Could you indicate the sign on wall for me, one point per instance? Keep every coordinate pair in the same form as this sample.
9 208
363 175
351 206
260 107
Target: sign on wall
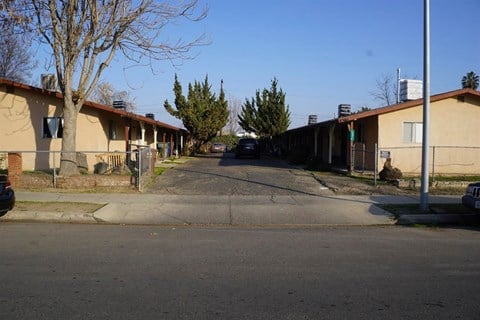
384 154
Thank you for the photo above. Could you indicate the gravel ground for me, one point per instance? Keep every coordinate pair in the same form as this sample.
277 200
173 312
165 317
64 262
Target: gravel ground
342 184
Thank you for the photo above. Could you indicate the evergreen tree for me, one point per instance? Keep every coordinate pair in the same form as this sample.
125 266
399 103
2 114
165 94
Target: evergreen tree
202 113
266 114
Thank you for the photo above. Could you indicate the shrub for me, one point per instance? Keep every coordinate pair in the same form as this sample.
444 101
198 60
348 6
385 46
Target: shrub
390 173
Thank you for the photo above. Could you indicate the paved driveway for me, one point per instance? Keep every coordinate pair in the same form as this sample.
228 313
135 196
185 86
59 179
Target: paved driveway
222 174
222 190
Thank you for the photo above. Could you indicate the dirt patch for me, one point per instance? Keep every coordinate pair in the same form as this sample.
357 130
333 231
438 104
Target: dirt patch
73 207
347 185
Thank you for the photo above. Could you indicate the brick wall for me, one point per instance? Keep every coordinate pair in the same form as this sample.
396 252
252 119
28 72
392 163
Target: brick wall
35 181
45 181
92 181
42 180
14 168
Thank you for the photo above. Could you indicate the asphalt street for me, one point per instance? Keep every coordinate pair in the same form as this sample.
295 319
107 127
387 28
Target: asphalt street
65 271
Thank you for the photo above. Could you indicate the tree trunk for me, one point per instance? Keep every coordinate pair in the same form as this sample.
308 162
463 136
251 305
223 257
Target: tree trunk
68 160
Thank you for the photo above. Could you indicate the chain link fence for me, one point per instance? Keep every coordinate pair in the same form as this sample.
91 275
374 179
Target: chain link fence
443 160
136 165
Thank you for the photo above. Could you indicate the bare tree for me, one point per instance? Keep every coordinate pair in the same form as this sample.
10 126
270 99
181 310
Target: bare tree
105 93
234 107
85 35
16 62
386 90
127 98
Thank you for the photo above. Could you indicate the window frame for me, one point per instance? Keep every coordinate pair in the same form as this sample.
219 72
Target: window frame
415 135
46 128
112 130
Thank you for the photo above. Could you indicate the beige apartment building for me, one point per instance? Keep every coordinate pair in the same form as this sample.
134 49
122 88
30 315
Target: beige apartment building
31 123
361 140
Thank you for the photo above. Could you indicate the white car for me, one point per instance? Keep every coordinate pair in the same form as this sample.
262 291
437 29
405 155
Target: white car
471 198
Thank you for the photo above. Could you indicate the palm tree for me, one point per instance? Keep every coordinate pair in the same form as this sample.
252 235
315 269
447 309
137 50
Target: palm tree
470 81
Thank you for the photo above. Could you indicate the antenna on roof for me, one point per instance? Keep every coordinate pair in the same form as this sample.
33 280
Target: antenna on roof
398 85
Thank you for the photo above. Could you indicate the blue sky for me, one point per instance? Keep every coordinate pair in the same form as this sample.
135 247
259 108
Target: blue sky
323 53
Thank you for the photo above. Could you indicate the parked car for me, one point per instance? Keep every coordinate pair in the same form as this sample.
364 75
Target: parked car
471 199
218 147
248 147
7 195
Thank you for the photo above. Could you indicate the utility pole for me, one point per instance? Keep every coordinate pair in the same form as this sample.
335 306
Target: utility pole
426 105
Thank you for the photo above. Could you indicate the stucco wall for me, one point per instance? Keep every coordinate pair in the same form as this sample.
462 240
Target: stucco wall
453 132
21 125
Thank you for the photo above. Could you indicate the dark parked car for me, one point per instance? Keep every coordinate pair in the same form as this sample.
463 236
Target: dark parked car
218 147
248 147
7 195
471 198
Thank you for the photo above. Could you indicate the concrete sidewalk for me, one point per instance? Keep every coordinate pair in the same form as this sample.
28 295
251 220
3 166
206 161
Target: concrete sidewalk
259 210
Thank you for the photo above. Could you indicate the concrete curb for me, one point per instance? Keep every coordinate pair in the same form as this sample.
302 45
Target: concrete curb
440 219
37 216
261 210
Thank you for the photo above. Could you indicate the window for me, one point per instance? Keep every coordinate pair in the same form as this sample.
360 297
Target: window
112 130
52 127
412 132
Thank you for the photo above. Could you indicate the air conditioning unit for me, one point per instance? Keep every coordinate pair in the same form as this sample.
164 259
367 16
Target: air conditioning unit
344 110
119 104
411 90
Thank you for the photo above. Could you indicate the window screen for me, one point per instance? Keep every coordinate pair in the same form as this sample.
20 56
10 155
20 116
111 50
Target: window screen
412 132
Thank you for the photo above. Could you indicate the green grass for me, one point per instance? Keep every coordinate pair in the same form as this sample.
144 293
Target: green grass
159 170
457 178
469 178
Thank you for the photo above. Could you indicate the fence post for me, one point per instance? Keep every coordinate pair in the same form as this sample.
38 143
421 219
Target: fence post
363 158
139 164
433 164
149 158
352 158
54 171
376 166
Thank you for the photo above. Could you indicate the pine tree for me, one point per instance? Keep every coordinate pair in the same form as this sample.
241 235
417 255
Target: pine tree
266 115
202 113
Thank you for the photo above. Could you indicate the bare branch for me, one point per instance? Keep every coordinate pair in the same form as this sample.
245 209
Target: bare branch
85 35
385 90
